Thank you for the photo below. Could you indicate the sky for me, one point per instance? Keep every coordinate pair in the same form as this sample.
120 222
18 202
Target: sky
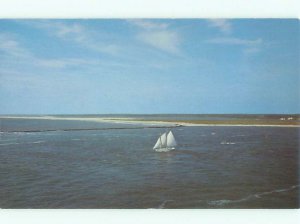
148 66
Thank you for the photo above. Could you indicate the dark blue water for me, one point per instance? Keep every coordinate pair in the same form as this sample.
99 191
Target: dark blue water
212 167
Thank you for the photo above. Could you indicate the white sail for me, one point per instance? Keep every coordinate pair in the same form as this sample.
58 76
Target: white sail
163 138
165 142
171 142
157 144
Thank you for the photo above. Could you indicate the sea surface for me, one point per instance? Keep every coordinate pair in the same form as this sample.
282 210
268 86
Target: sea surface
212 167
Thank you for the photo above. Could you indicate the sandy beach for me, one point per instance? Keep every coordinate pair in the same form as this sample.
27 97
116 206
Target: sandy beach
122 120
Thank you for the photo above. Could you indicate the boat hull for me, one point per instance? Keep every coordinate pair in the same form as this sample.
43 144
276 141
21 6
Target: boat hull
164 149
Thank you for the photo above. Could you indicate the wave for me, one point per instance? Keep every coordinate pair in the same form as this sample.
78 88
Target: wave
6 140
37 142
250 197
164 149
227 201
227 143
163 204
276 191
12 143
21 133
18 143
194 154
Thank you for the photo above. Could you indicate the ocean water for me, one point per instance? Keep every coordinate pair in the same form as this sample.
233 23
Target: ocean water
212 167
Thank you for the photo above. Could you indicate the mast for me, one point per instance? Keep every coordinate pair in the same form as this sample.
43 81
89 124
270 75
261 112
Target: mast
160 141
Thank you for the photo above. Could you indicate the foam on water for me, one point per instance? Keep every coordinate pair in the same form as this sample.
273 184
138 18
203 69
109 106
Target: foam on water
38 142
163 204
164 150
18 143
277 191
250 197
12 143
227 143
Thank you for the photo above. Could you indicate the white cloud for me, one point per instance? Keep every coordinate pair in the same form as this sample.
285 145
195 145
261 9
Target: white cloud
76 33
57 28
234 41
73 29
250 46
15 52
63 62
157 35
222 24
252 50
144 24
164 40
11 47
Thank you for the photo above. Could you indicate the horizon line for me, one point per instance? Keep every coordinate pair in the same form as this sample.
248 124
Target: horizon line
16 114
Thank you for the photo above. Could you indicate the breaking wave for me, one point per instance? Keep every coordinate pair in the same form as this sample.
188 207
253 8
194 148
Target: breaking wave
37 142
12 143
237 135
164 149
163 204
227 143
254 196
18 143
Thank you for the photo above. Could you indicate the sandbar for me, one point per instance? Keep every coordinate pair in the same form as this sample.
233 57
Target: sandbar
122 120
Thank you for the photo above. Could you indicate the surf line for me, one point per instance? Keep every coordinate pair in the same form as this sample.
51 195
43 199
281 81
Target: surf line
92 129
250 197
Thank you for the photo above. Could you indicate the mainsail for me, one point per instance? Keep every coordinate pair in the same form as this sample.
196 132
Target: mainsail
157 144
165 141
163 138
171 142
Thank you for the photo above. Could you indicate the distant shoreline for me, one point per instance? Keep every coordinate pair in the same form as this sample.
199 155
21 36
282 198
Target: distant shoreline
120 120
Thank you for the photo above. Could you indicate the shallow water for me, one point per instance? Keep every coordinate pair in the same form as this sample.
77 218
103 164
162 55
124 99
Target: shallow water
212 167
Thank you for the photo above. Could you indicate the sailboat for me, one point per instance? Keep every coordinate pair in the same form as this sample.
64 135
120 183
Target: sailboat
166 142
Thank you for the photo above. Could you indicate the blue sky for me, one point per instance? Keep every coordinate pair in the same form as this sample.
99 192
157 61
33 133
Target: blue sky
149 66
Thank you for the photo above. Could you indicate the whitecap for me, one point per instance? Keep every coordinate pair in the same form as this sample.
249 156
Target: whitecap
164 149
238 135
278 190
227 143
227 201
37 142
219 202
11 143
254 196
18 143
163 204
